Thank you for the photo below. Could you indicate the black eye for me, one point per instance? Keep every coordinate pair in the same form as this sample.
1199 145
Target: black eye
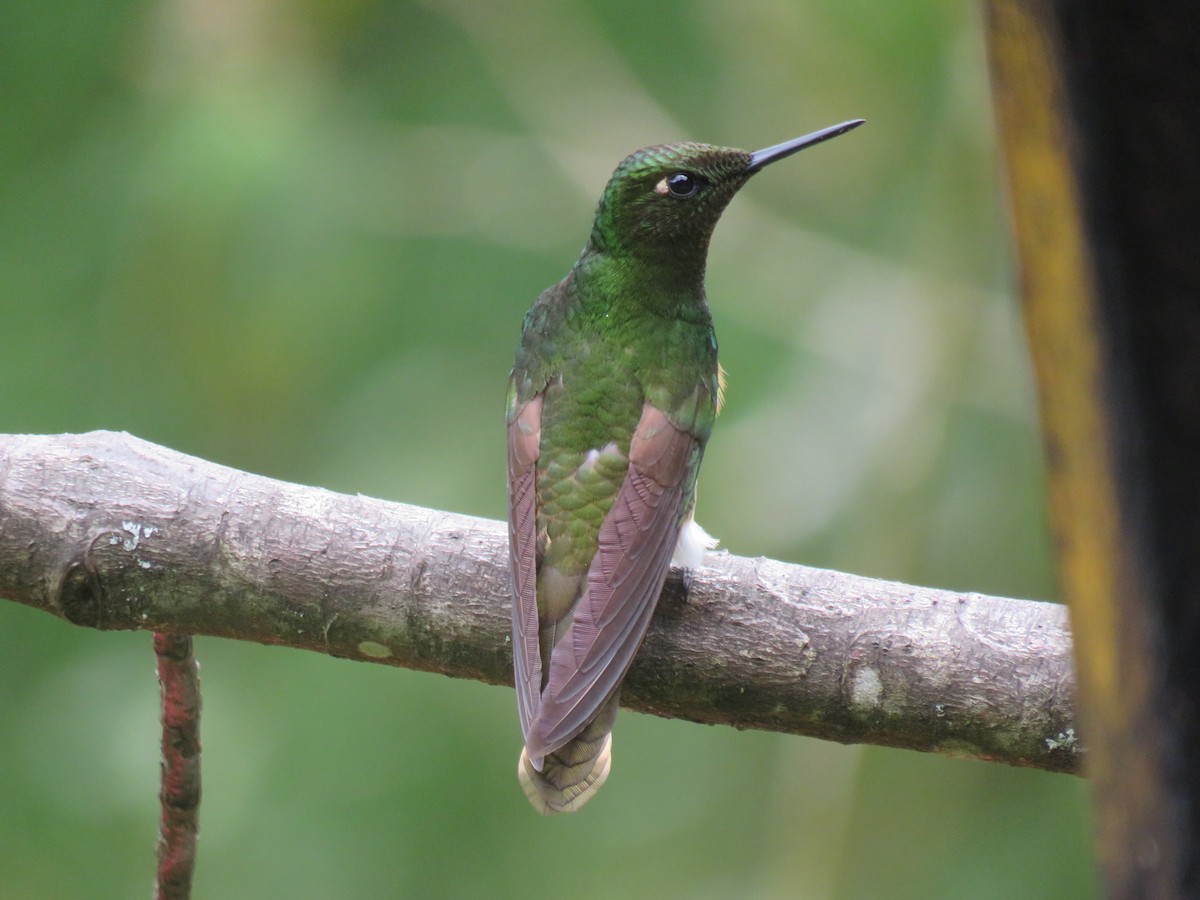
684 184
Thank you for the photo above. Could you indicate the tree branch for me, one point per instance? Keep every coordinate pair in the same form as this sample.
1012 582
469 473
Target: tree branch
109 531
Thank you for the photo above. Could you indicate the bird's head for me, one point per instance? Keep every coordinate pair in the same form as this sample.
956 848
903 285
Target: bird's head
663 202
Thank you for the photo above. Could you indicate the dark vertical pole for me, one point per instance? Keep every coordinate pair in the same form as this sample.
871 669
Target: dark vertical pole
1099 111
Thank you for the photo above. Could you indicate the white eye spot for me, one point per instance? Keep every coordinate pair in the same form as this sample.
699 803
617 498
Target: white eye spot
661 188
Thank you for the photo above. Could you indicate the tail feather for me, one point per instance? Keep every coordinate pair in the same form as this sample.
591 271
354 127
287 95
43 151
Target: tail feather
569 776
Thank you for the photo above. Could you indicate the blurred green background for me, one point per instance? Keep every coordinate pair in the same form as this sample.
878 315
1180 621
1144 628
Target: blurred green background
298 237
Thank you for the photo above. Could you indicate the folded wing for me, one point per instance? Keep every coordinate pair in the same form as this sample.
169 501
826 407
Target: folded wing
636 541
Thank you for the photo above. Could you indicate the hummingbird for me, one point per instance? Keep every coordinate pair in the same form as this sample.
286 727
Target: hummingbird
610 403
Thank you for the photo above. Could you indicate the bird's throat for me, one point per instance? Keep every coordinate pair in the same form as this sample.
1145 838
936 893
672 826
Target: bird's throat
626 285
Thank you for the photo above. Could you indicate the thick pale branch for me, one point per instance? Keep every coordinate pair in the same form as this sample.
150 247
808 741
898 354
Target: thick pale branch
108 531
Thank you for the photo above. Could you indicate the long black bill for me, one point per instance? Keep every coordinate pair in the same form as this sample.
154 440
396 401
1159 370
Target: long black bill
795 145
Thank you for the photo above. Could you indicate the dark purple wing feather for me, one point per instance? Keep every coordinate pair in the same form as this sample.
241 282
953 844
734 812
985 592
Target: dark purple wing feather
524 438
636 541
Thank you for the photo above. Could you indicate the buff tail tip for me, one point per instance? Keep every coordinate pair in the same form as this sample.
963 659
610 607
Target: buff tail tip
576 789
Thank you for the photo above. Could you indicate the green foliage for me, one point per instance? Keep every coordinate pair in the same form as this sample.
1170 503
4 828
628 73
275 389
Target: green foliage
299 238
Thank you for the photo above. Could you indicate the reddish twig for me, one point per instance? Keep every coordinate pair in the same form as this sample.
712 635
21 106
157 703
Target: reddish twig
179 679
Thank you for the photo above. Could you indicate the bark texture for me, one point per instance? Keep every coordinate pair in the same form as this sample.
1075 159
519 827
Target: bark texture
108 531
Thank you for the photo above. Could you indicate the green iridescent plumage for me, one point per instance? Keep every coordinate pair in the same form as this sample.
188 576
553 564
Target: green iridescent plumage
611 400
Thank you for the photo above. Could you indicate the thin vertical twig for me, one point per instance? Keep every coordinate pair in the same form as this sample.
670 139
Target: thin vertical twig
179 795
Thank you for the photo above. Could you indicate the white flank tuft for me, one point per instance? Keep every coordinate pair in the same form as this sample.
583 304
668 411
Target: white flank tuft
693 542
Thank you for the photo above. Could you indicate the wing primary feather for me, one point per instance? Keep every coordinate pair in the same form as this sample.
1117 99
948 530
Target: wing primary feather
524 436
